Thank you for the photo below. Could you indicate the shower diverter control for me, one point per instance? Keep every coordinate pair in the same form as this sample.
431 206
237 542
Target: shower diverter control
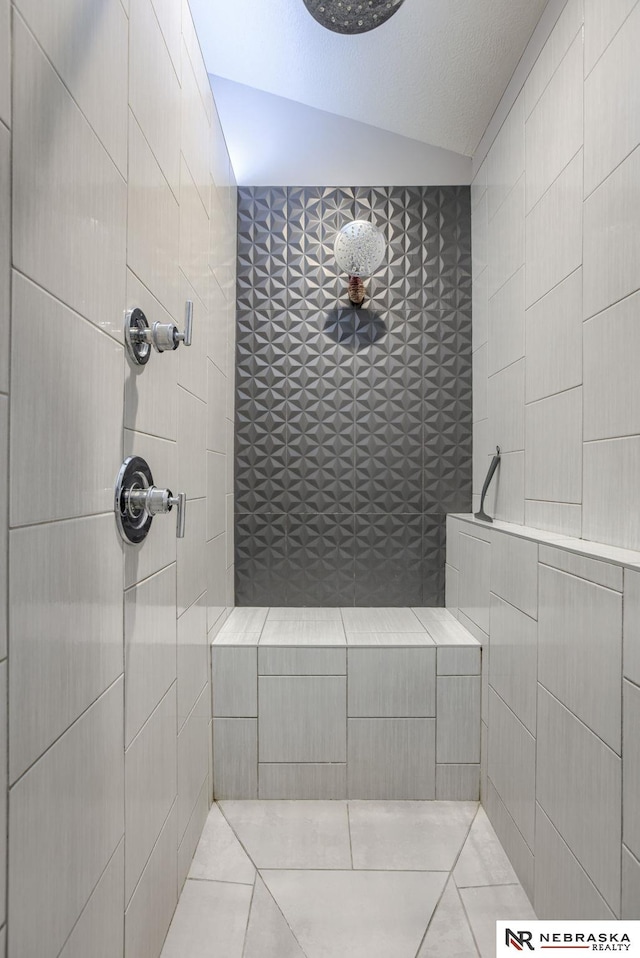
139 336
137 501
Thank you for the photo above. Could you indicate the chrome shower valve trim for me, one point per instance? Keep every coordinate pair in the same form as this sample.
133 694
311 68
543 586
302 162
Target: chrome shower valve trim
137 501
139 336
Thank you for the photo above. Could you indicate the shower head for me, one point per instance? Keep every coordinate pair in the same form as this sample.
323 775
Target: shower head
352 16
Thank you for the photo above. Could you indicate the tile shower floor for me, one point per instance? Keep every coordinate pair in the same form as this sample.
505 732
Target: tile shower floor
345 880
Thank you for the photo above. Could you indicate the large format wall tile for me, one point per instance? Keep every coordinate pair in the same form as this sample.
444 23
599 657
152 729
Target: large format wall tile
554 128
580 650
56 829
514 572
513 660
632 625
100 929
153 902
154 89
579 787
612 237
77 193
84 44
553 460
512 765
315 729
611 354
149 646
474 583
557 318
61 425
382 758
610 135
562 886
609 512
631 767
601 23
5 250
5 75
150 786
66 640
153 234
554 233
392 683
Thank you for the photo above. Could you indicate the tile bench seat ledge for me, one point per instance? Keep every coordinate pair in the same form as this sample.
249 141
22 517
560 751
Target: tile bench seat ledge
355 705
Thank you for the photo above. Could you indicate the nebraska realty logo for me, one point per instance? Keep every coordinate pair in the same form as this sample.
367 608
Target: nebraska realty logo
558 937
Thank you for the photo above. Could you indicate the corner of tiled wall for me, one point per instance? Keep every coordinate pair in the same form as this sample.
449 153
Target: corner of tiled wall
123 195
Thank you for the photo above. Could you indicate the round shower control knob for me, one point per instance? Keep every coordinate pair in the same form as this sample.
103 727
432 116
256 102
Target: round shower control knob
139 336
137 501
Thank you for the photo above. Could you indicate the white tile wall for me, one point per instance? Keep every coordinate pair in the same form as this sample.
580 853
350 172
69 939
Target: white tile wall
4 531
557 319
506 408
66 628
512 765
78 433
5 250
579 788
514 572
474 580
554 127
631 767
507 238
102 221
609 509
580 165
506 328
513 660
567 26
66 817
574 663
154 89
632 625
5 75
80 194
553 461
150 765
562 887
554 232
601 25
610 135
100 929
612 237
611 355
66 31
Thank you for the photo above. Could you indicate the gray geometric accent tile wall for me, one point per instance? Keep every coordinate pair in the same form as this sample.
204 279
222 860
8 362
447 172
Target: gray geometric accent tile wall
353 427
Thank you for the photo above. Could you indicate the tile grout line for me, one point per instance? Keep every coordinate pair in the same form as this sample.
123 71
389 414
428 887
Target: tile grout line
249 911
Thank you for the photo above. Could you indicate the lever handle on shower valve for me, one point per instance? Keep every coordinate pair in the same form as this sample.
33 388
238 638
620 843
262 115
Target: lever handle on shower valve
161 501
164 337
188 325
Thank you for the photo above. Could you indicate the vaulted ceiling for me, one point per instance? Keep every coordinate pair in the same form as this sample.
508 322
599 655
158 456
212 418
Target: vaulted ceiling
434 72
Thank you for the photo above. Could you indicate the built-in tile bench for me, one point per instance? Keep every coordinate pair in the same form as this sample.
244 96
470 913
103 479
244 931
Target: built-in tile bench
337 703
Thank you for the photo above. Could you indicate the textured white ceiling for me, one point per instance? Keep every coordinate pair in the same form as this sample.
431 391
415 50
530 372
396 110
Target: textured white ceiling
434 72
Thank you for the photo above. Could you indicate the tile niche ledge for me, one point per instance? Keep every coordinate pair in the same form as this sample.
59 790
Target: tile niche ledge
628 558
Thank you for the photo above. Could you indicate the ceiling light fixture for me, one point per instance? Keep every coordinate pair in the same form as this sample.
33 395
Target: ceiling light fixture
352 16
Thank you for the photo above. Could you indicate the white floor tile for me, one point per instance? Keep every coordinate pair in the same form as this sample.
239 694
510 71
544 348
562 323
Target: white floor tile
485 906
209 922
268 934
449 934
219 855
278 834
483 861
414 836
357 914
